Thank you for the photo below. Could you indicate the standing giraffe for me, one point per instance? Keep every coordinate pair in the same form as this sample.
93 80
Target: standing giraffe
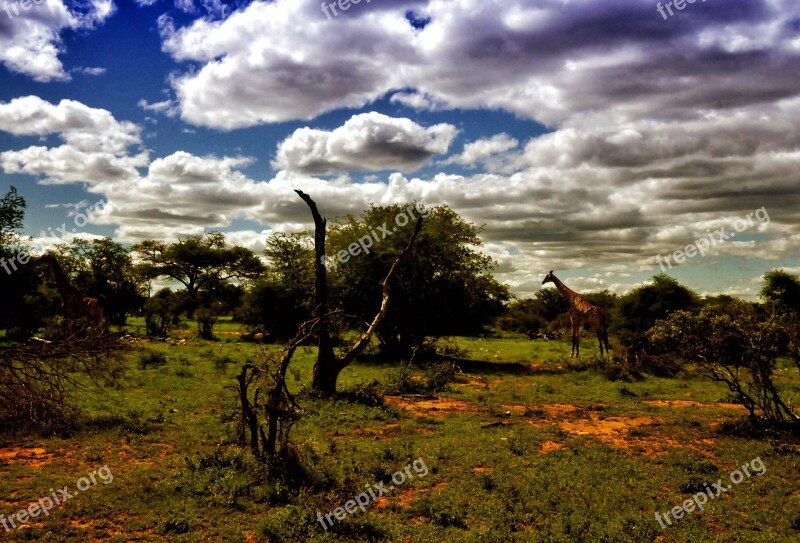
76 307
580 309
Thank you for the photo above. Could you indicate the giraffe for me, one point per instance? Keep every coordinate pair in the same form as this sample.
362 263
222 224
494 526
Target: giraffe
580 309
76 307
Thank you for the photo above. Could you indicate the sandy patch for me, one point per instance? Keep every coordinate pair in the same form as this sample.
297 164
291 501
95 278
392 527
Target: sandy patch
34 457
553 410
550 446
611 430
404 498
689 403
426 407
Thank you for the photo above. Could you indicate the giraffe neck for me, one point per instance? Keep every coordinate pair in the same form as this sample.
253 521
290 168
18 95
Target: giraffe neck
566 291
65 288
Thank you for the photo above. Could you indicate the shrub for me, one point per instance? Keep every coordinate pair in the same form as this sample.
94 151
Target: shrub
150 359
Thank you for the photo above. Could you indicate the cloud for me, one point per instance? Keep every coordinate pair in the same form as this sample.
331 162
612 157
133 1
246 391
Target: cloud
416 101
492 153
549 61
90 71
30 40
167 107
366 142
96 145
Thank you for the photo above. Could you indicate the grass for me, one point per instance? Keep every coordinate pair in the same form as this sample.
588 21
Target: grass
521 448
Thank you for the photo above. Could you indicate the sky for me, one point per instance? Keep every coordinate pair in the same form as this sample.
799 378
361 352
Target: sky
589 137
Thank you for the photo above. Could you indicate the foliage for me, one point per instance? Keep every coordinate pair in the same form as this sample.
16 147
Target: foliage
103 269
23 306
162 312
445 283
552 303
782 289
436 378
12 213
524 316
197 263
738 346
639 310
206 317
283 299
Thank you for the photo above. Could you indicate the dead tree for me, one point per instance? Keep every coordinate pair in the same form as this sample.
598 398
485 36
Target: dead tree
279 409
37 380
329 365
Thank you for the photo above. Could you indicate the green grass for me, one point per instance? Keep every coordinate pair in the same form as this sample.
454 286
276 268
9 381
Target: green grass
519 455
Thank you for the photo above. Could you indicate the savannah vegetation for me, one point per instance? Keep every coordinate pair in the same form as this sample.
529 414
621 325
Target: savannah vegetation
254 393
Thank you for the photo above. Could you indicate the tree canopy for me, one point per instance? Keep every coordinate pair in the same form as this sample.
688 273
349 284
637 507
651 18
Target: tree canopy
198 263
446 282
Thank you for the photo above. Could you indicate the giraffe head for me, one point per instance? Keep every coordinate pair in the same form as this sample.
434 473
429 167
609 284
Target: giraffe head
550 278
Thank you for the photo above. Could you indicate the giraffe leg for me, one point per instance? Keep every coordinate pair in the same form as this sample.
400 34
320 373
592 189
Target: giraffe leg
573 321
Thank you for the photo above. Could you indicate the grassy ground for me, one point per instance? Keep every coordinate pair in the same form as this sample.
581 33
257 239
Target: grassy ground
522 447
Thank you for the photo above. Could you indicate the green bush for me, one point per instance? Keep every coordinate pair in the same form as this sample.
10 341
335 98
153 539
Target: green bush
150 359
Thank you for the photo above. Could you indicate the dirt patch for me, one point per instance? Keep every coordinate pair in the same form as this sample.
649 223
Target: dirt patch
689 403
611 430
427 406
34 457
382 433
475 384
481 469
550 446
405 497
553 410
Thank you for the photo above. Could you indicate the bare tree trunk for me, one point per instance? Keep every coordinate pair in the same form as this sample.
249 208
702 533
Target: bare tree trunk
326 370
249 418
329 366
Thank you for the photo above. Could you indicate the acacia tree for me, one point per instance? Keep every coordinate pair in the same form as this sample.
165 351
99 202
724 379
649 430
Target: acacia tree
197 263
639 310
781 289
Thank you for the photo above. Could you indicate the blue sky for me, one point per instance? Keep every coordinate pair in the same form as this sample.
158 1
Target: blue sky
587 136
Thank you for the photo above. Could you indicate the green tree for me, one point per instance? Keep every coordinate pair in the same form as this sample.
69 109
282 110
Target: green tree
162 311
639 310
12 213
782 289
446 285
104 270
524 316
198 263
283 298
23 306
552 303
